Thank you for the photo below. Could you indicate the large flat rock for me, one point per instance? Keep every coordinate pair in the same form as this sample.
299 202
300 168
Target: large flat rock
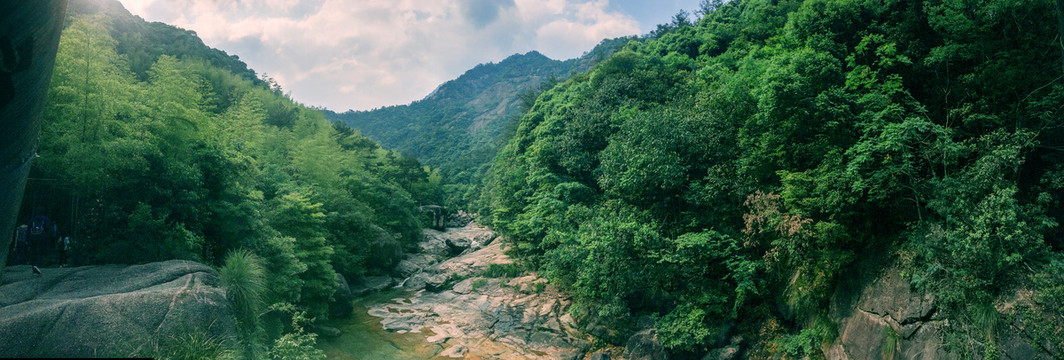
110 310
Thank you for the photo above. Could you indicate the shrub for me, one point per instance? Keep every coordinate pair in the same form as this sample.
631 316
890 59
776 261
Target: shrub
244 281
192 345
479 283
511 270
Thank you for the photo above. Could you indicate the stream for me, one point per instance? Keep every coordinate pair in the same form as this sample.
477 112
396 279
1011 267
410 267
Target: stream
448 306
364 338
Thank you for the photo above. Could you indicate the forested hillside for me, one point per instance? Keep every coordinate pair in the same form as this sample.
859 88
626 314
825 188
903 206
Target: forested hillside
141 42
157 153
725 177
461 125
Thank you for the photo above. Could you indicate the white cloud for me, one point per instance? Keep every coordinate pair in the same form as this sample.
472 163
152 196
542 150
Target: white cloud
364 54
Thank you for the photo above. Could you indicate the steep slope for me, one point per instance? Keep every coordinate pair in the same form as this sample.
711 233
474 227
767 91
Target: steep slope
196 162
142 42
725 180
152 148
458 127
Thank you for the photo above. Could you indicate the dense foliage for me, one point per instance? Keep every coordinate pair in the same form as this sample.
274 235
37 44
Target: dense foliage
196 162
741 166
460 126
141 42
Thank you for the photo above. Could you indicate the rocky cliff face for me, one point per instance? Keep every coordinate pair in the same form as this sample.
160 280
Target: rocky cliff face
110 310
886 319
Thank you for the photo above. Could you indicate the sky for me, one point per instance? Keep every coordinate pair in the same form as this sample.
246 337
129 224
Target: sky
365 54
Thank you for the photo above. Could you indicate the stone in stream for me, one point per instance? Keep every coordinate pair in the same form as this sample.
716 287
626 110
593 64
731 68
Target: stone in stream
416 282
434 243
437 282
415 263
371 284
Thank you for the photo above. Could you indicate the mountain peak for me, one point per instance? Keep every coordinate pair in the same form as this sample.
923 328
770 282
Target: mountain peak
456 127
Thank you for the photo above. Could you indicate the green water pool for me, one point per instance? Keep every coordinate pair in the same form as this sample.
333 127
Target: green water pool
363 337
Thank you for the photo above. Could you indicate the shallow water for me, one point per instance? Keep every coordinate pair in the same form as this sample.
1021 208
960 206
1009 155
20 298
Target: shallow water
363 337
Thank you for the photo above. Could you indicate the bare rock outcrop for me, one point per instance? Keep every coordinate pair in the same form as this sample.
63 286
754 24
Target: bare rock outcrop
110 310
886 319
644 345
475 316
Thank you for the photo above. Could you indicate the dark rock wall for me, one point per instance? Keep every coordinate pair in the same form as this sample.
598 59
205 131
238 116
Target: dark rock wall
29 37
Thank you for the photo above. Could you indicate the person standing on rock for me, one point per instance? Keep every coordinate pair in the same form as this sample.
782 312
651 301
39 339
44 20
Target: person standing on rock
41 232
21 244
63 245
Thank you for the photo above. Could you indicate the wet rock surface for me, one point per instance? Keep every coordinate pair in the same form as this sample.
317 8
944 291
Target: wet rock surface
473 316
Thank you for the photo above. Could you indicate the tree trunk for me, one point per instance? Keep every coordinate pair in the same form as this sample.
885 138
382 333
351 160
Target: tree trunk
29 37
1060 29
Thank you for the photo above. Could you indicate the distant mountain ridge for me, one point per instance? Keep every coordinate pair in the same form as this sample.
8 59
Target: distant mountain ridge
142 41
459 127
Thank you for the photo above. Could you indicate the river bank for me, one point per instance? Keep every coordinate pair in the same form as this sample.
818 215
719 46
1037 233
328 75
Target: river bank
461 296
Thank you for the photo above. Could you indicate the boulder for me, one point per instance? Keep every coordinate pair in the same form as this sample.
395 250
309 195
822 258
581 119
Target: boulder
458 245
416 282
730 352
384 251
484 238
437 282
644 345
434 243
598 355
340 306
327 331
415 263
459 219
408 267
886 318
464 286
371 284
455 352
110 310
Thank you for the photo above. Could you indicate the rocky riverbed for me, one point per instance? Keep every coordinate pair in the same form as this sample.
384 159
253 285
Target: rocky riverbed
467 298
